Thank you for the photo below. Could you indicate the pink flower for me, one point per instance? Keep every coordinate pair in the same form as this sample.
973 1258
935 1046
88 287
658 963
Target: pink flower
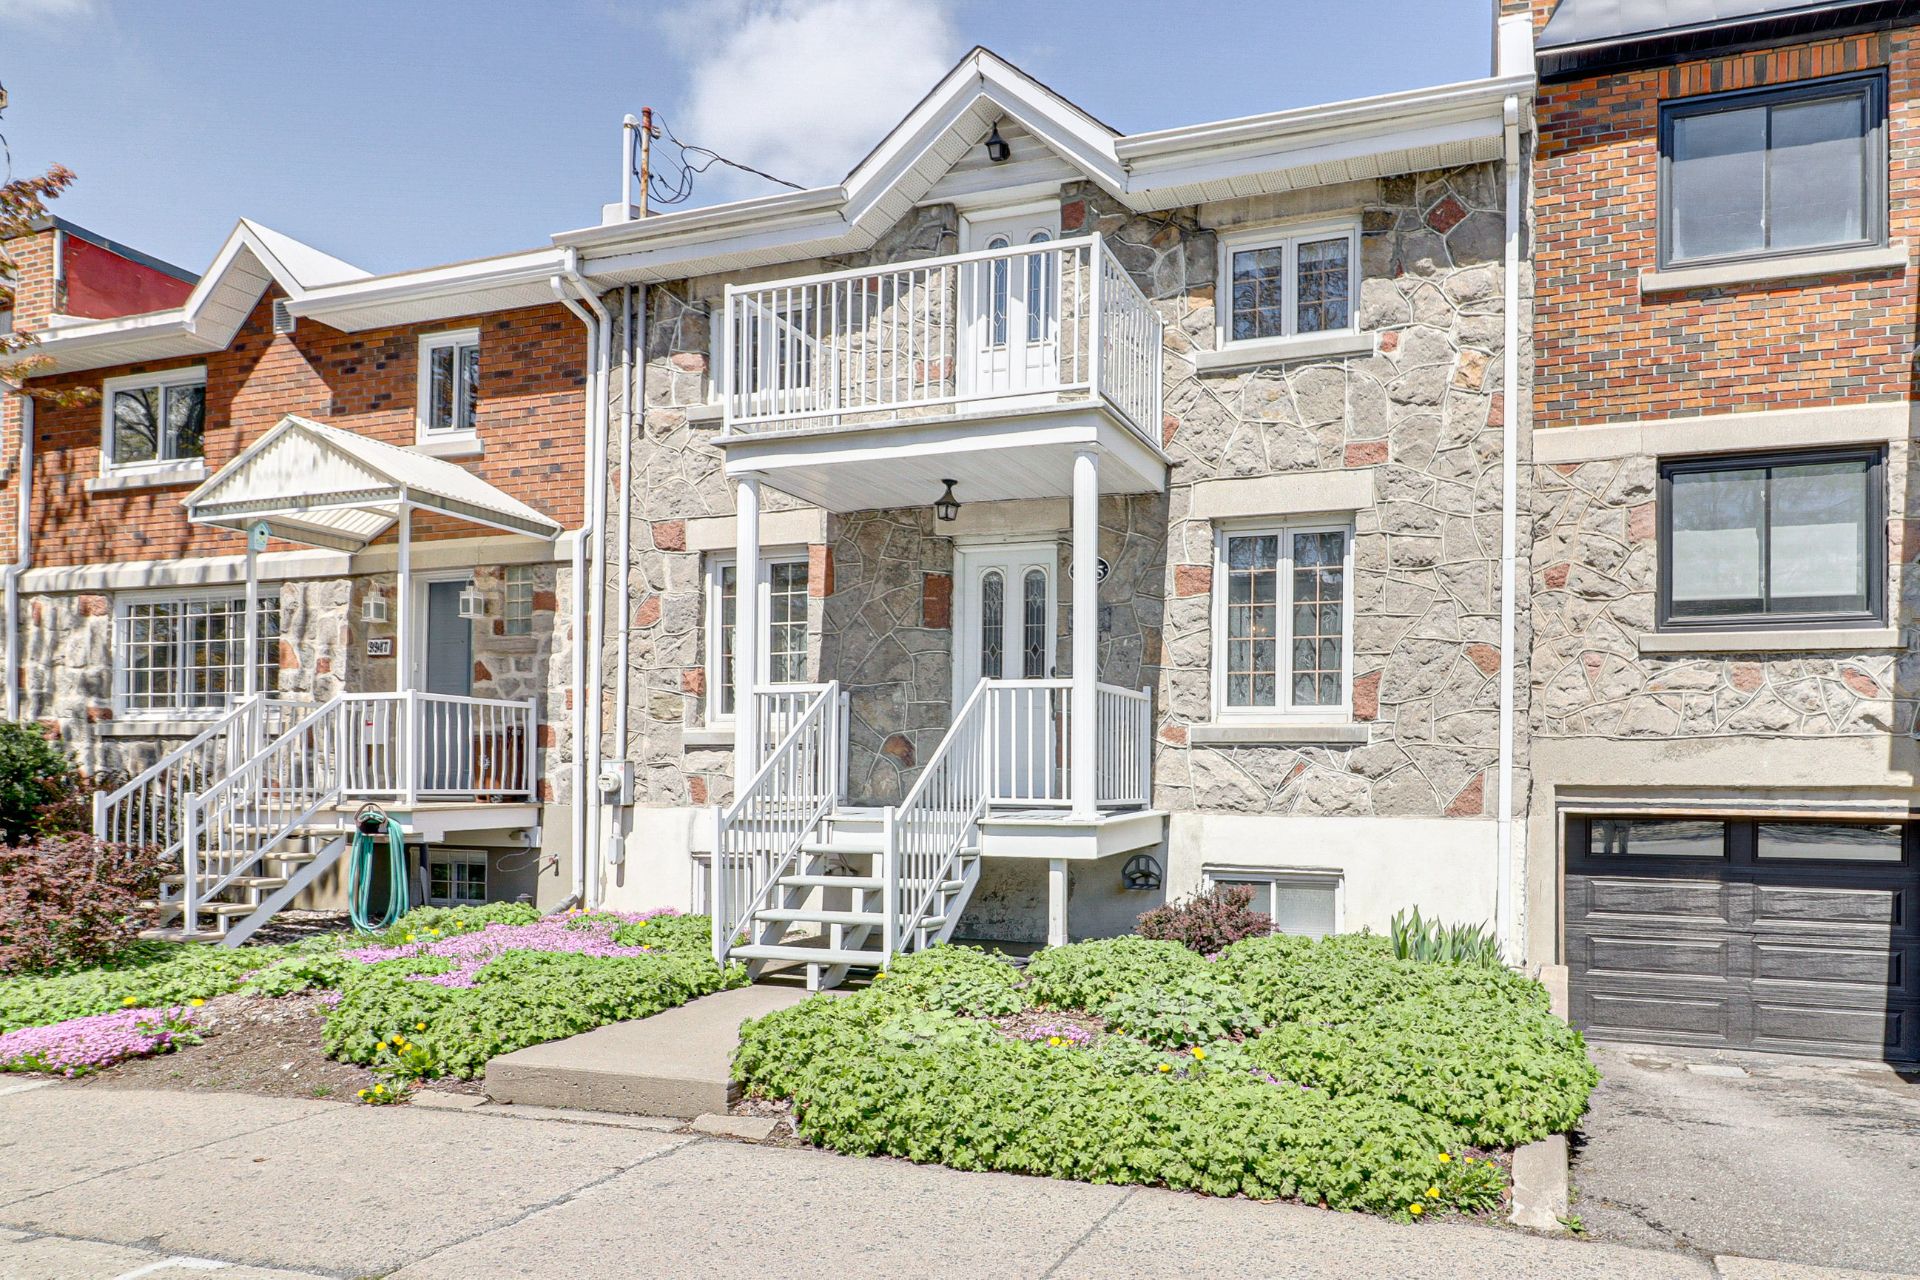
80 1045
471 952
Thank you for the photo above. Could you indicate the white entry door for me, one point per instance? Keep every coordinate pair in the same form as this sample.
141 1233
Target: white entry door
1013 307
1005 629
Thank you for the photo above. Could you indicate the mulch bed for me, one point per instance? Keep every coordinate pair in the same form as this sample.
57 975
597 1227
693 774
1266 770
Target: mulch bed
252 1044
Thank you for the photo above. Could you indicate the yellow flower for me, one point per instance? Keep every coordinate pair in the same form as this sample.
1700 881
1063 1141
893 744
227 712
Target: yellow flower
1469 1159
379 1088
1444 1158
398 1043
1200 1055
419 1026
196 1002
1054 1041
129 1001
434 932
1165 1068
1433 1193
410 937
1416 1209
361 1094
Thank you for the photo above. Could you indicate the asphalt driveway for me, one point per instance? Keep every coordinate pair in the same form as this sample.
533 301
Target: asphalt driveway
1806 1160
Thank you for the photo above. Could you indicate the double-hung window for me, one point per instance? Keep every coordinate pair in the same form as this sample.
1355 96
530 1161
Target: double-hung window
1293 283
449 385
155 419
1769 539
1283 621
1774 171
182 654
783 627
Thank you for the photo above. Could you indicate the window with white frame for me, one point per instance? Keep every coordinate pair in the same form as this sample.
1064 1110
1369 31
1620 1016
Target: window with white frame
181 654
1289 283
516 615
449 383
1306 904
153 419
456 877
783 626
1283 621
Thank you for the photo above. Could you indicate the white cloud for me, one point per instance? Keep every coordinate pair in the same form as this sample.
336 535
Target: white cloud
803 88
47 13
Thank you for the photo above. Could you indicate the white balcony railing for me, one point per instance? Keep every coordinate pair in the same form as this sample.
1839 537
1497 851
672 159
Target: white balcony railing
1052 323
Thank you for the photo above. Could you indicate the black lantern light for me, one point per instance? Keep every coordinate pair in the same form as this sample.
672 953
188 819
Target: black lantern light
997 148
948 506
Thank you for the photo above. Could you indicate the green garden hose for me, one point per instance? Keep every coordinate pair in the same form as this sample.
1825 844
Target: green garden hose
367 831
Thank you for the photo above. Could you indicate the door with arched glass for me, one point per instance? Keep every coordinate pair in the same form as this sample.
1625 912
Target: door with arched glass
1013 305
1005 627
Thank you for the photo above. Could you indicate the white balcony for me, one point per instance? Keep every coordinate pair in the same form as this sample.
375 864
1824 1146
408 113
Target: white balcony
859 388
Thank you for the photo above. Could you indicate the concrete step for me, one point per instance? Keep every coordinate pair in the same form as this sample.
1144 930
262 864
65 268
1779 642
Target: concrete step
808 955
677 1063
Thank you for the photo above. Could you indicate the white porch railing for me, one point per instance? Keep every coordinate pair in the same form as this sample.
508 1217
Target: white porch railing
925 835
759 835
1029 729
1054 322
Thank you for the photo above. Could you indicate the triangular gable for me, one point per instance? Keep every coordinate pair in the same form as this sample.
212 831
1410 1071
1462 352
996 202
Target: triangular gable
252 258
326 487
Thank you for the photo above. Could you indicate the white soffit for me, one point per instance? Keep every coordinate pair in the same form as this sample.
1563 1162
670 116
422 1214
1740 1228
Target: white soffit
326 487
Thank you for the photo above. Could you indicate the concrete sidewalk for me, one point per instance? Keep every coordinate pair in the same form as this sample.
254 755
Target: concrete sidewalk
98 1183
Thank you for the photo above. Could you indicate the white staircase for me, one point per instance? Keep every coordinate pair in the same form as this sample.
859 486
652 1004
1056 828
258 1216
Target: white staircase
259 805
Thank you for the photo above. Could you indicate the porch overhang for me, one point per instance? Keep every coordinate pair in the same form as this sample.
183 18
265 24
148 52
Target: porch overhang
993 456
324 487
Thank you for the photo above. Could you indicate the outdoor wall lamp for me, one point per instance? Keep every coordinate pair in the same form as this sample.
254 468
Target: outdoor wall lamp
997 148
948 507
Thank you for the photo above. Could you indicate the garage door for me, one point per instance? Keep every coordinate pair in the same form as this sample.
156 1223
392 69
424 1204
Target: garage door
1796 937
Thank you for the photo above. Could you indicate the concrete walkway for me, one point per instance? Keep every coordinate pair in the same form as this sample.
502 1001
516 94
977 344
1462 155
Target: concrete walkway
99 1183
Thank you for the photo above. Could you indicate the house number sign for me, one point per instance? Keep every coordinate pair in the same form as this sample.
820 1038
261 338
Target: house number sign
379 646
1101 569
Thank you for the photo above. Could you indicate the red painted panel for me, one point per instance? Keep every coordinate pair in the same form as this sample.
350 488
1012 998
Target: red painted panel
101 283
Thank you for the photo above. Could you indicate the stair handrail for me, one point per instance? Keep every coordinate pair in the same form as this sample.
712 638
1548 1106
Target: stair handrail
300 771
759 835
942 811
162 787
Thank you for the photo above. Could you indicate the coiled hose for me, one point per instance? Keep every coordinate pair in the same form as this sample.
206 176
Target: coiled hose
360 872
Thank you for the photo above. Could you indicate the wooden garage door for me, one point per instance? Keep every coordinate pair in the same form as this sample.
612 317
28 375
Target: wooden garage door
1794 937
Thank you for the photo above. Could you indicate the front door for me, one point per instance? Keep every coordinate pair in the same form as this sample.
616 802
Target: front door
1012 306
445 728
1004 629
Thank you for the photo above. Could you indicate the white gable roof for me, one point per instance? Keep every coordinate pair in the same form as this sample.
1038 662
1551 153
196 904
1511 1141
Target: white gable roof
326 487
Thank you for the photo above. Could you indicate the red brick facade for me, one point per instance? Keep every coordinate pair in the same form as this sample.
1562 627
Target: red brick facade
1605 353
532 365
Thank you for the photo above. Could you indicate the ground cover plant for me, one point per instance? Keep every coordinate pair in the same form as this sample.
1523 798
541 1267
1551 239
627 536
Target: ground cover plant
1330 1072
436 995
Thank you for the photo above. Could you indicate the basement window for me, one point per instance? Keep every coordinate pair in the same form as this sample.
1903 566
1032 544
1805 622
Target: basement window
1303 904
456 878
154 419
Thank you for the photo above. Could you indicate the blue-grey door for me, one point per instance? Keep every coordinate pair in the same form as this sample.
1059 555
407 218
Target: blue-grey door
446 728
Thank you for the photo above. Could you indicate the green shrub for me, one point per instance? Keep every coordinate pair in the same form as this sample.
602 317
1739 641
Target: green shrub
1189 1010
957 980
421 920
522 998
1333 979
1431 942
1093 975
147 974
35 772
685 935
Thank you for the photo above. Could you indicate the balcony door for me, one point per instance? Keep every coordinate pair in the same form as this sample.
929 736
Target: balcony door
1012 306
1005 628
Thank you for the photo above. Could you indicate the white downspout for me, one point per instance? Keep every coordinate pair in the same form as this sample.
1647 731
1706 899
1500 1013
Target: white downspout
1509 536
23 553
632 411
587 621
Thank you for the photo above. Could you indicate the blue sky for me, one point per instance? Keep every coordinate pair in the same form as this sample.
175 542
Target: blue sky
409 132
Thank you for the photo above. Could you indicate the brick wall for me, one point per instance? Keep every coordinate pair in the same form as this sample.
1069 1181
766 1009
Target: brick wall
1606 354
532 365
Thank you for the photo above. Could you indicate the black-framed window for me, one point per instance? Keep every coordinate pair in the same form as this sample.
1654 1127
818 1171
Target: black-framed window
1773 539
1689 845
1774 171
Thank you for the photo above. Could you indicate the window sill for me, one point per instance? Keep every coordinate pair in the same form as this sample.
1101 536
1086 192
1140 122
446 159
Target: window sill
1773 640
138 727
150 478
708 737
1258 351
701 413
1310 733
465 444
1892 257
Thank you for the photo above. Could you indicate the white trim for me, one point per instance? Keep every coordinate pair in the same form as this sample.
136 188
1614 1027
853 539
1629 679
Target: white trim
966 622
1287 237
1795 266
1212 874
452 444
1322 733
1283 712
1877 423
425 433
160 476
1249 352
1291 494
1774 640
710 623
467 857
190 376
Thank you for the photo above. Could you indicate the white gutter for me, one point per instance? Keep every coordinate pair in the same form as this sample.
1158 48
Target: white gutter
23 554
1509 537
587 621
